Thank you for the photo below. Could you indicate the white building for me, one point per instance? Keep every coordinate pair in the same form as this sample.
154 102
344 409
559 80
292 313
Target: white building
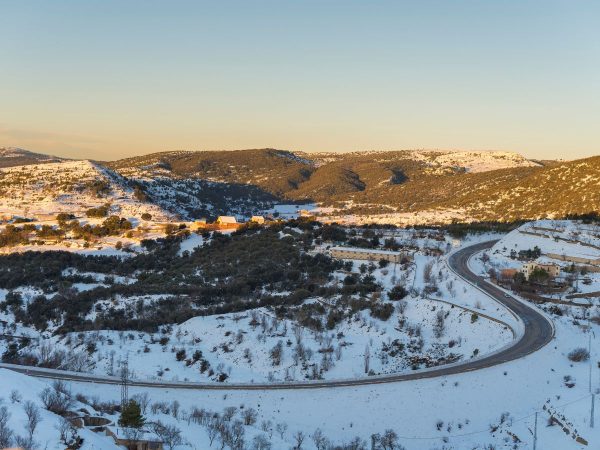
367 254
226 220
552 269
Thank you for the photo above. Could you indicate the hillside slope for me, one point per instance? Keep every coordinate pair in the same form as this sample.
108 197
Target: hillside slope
70 186
11 156
474 185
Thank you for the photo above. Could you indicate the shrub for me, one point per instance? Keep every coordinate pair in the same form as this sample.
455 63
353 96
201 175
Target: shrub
579 354
382 311
57 399
397 293
100 211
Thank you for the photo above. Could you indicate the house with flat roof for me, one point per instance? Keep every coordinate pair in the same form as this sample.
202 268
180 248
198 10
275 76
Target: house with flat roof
528 268
368 254
134 439
227 223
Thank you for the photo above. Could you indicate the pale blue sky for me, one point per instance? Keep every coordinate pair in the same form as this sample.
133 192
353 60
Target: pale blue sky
106 79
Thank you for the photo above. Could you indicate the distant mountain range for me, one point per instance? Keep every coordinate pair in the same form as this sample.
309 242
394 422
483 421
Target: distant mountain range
11 156
420 183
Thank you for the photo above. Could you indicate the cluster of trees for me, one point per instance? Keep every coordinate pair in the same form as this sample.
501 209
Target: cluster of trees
57 399
99 188
100 211
528 254
231 273
13 235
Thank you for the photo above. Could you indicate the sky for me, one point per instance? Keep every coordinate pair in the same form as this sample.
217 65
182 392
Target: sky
106 79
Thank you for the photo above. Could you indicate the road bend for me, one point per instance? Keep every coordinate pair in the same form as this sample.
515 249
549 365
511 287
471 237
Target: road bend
537 332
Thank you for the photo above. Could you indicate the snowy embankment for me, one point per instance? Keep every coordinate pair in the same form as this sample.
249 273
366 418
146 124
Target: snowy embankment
19 393
459 411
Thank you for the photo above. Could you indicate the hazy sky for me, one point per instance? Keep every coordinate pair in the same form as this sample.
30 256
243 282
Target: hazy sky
106 79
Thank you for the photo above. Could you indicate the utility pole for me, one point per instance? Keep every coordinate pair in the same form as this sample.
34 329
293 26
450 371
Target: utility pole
125 382
590 332
590 358
592 412
535 432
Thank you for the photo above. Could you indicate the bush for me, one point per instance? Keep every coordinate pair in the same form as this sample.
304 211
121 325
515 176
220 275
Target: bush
382 311
579 354
57 399
100 211
397 293
64 217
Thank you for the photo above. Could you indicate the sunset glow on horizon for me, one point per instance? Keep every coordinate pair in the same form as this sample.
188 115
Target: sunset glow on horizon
112 79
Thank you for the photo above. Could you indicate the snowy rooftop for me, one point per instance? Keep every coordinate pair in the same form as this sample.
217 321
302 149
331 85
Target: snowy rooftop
364 250
226 219
127 433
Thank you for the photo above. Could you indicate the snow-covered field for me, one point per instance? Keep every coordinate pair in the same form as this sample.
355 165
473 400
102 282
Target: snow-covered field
424 329
69 186
484 409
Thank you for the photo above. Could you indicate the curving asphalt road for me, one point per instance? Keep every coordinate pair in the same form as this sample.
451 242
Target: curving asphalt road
538 331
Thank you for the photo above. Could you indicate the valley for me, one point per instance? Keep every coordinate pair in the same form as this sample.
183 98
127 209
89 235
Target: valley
221 301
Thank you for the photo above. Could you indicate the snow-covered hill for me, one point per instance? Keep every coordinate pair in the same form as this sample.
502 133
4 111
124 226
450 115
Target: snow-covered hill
13 156
402 187
44 190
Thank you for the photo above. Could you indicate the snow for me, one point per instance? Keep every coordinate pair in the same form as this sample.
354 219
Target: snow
290 211
191 243
365 250
46 435
467 405
31 191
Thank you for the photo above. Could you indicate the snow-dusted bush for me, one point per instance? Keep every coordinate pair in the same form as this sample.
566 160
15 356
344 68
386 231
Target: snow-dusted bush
578 355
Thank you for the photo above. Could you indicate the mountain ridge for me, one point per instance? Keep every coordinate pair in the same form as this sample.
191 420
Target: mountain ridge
478 185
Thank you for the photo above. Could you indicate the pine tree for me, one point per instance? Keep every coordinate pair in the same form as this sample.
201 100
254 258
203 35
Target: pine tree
131 416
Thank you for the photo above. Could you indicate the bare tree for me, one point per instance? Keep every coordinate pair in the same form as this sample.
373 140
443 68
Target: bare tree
57 399
298 334
299 438
367 358
234 437
26 443
15 396
249 416
389 440
427 270
439 326
68 433
260 442
320 441
267 427
213 428
6 434
175 408
229 413
169 434
356 444
33 417
276 353
142 399
281 429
